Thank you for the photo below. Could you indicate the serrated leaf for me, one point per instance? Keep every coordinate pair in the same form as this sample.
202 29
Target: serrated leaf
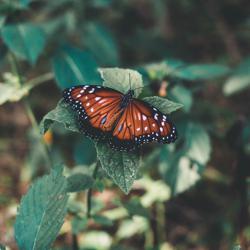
74 67
98 39
122 79
62 114
164 105
122 167
41 213
201 71
79 182
25 40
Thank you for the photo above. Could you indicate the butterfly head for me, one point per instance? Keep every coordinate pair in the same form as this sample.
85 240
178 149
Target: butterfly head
130 93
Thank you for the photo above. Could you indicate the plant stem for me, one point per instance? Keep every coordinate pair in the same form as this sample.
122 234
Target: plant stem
40 79
31 116
89 192
75 245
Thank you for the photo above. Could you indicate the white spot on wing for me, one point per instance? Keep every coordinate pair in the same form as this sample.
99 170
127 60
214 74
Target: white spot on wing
144 117
97 98
92 110
161 129
92 91
138 129
78 96
146 128
87 104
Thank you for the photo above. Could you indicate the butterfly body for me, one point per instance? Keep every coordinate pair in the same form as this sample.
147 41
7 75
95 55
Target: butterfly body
122 120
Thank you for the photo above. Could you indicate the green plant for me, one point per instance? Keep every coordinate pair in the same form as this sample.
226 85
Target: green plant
58 49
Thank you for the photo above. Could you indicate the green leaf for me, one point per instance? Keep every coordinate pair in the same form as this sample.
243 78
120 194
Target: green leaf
79 182
61 114
84 151
135 207
98 39
74 67
25 3
182 70
122 167
237 247
78 224
101 3
42 212
156 191
164 105
96 240
183 169
11 90
2 20
201 71
129 228
2 247
25 40
240 79
183 95
102 220
198 143
162 69
236 84
99 185
188 175
122 79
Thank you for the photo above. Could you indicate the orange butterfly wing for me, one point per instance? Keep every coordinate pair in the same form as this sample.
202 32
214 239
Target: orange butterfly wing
98 108
102 116
141 123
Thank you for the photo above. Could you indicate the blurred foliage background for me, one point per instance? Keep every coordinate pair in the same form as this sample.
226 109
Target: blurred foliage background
193 195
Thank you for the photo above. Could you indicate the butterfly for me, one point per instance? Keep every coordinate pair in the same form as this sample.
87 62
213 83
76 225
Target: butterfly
120 119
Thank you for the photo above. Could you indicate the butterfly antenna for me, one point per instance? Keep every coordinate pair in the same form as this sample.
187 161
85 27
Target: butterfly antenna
129 79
